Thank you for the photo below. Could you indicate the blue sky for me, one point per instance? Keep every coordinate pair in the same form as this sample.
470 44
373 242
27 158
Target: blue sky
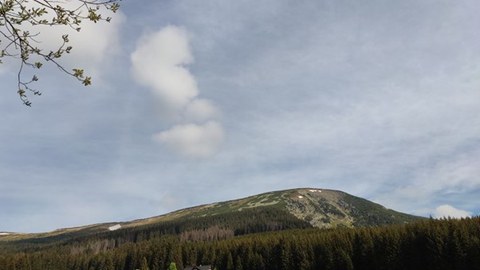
201 101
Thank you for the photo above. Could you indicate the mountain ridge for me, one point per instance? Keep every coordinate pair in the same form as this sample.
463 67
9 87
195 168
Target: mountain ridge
276 210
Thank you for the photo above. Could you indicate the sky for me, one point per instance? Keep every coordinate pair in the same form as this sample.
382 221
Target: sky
196 102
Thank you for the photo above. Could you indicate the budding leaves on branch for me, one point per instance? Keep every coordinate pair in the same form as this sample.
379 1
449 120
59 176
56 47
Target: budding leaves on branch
78 73
19 38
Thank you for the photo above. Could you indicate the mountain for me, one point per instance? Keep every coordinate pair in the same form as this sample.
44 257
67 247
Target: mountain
278 210
320 208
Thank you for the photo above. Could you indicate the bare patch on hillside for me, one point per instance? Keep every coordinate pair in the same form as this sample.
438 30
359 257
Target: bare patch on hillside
320 208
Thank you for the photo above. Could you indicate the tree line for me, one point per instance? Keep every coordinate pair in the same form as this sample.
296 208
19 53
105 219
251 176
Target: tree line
430 244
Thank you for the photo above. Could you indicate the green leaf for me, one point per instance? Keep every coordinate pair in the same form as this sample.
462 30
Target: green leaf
78 73
87 81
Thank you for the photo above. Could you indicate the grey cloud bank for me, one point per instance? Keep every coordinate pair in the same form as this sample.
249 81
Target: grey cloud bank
380 99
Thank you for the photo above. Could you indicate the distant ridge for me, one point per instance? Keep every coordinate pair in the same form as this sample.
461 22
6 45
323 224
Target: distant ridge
278 210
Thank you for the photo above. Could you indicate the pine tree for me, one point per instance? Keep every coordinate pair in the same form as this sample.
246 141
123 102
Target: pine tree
144 264
229 263
238 263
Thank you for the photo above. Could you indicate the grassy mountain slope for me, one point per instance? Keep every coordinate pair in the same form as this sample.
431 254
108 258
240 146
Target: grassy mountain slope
319 207
278 210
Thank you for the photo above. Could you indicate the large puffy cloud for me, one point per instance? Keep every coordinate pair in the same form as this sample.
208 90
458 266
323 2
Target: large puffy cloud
159 62
192 140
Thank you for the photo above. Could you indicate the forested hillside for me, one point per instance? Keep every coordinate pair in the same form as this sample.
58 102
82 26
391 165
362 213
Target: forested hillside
299 228
272 211
215 227
427 244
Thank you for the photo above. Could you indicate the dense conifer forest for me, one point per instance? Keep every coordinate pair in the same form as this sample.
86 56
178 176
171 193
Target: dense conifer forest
427 244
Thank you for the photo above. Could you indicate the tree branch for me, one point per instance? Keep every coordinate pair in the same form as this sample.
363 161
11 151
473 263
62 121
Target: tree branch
16 13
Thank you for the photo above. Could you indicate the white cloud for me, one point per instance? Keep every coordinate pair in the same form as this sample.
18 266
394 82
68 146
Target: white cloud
192 140
459 174
96 43
92 46
158 62
450 211
200 110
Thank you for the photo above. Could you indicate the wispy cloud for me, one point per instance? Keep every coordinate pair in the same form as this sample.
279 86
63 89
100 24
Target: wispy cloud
193 140
200 110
